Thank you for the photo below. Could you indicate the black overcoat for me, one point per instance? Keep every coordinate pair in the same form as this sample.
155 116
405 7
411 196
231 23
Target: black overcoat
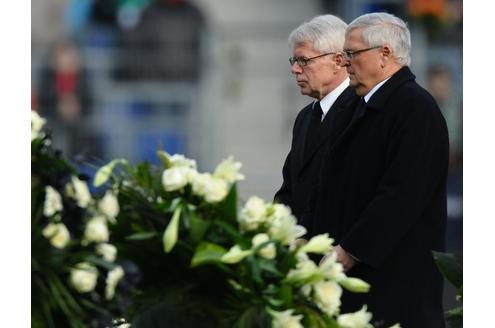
382 196
301 170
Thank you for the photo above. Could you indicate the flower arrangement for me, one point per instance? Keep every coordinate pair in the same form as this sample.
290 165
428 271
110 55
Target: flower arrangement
193 254
74 271
249 266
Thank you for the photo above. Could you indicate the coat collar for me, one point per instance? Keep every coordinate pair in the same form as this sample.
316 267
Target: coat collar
378 99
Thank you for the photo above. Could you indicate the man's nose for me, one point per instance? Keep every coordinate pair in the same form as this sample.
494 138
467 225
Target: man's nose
296 68
345 62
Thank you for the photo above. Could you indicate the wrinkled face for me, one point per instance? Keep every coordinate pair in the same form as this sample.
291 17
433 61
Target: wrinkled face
315 78
364 68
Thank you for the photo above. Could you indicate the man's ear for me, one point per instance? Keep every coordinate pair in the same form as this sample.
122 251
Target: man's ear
339 59
387 51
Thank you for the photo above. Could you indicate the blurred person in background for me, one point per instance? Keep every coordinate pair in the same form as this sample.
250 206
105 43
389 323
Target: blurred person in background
65 99
316 64
440 85
382 194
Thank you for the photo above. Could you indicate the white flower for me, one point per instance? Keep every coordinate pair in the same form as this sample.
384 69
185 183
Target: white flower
319 244
355 285
58 234
359 319
108 251
37 123
96 230
104 173
83 277
53 202
332 269
269 251
178 160
228 170
112 281
175 178
305 272
235 254
216 190
285 319
327 296
109 206
283 225
253 214
210 188
78 190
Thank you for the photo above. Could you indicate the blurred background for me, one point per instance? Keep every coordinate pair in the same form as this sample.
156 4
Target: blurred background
210 78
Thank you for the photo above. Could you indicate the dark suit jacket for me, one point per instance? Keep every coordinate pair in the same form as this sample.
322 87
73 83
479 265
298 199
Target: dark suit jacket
301 170
382 196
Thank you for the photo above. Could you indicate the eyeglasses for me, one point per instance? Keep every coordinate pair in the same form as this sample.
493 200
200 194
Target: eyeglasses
303 61
349 54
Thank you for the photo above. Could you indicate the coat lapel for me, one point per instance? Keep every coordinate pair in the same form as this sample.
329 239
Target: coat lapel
332 122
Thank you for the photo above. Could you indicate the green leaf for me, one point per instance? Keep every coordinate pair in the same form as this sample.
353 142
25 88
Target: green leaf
142 235
198 227
451 267
229 206
207 253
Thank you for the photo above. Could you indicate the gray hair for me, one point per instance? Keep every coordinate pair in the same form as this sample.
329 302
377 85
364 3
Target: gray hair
381 28
326 32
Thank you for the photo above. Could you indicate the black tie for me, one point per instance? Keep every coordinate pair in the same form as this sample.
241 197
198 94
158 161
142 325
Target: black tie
313 135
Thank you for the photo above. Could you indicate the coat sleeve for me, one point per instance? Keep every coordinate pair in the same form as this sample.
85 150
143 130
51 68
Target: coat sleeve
415 171
284 194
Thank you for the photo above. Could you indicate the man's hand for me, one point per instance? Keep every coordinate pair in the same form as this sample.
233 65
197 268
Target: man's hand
347 261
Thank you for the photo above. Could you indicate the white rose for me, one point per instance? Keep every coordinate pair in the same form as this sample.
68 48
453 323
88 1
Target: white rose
96 230
108 251
269 251
57 233
216 190
327 296
109 206
84 277
78 190
228 170
319 244
283 225
178 160
253 214
53 202
359 319
37 123
285 319
175 178
112 281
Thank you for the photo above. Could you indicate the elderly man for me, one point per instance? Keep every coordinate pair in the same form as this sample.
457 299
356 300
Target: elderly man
317 65
382 193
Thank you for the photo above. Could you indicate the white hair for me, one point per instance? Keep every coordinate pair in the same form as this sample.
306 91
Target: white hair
381 28
326 32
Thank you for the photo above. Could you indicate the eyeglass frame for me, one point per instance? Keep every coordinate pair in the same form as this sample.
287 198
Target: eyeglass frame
350 54
306 61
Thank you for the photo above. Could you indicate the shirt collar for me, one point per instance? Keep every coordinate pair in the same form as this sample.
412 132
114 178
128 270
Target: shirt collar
327 102
375 89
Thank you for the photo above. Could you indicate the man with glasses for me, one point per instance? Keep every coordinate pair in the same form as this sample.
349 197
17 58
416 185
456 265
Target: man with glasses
382 194
316 64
